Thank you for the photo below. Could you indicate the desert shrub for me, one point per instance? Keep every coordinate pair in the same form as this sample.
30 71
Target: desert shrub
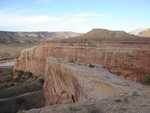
72 61
6 71
91 65
74 108
91 44
19 73
147 79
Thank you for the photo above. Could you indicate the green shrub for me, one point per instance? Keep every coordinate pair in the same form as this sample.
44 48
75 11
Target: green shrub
147 79
74 108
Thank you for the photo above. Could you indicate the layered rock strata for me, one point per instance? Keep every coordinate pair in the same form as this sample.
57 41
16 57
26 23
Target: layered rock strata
132 63
67 82
61 85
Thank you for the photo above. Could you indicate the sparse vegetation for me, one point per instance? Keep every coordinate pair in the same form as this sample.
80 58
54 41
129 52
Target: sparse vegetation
10 51
91 65
74 108
147 79
72 61
91 44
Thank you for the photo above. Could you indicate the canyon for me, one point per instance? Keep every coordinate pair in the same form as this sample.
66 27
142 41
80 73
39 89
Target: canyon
95 66
130 62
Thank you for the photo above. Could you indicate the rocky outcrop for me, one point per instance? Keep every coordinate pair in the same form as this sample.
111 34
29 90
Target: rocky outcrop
131 62
124 54
74 72
68 82
61 85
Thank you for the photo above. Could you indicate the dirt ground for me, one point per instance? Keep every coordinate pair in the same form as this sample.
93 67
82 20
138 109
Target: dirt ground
127 104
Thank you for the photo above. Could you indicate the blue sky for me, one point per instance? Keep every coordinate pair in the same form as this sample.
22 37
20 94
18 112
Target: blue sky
73 15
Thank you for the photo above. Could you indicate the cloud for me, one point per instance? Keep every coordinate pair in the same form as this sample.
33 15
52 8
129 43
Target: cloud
79 22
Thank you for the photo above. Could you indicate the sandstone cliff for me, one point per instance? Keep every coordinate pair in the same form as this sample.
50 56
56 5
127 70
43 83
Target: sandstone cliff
67 77
131 62
69 83
61 85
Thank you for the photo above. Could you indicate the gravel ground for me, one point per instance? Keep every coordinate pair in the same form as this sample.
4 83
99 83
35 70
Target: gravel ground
126 104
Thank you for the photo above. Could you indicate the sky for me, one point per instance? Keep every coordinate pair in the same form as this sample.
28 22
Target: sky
74 15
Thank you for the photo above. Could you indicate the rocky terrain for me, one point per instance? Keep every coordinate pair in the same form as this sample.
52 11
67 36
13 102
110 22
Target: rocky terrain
121 56
127 104
67 82
98 90
17 94
101 71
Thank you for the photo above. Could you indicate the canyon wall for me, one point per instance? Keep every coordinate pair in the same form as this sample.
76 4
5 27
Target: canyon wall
65 83
132 63
61 85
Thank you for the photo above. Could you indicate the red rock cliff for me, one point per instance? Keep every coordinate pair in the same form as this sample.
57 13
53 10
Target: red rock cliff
66 84
131 62
61 85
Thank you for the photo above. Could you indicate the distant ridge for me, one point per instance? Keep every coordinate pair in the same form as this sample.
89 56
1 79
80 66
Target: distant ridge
98 35
142 32
33 37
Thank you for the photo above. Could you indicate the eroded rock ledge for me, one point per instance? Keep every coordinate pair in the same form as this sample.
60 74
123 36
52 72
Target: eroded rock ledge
61 85
132 63
67 82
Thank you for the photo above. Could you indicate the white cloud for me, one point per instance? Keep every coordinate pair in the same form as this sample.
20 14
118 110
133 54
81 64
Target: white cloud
80 22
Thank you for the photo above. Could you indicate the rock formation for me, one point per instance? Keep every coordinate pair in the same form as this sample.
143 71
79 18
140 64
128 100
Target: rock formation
69 83
60 86
124 54
132 62
70 70
66 82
